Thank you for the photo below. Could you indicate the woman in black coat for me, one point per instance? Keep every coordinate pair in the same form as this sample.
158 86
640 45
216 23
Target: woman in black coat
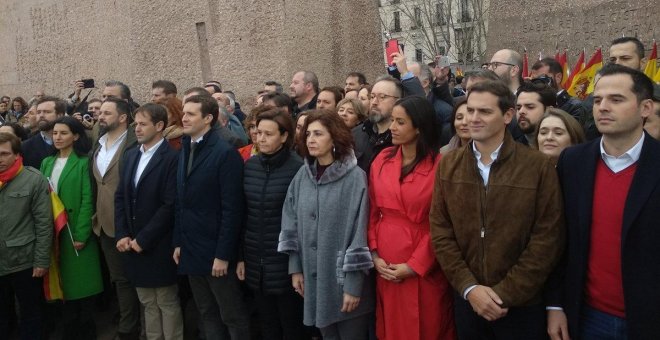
266 180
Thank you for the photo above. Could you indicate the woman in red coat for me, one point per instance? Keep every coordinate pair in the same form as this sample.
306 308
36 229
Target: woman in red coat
414 299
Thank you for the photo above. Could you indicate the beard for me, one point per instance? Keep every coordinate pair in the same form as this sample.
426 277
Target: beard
526 128
104 127
377 116
44 125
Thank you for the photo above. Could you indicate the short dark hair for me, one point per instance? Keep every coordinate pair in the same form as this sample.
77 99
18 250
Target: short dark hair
209 106
217 87
122 107
639 46
283 121
81 146
361 78
155 112
124 91
279 99
485 74
200 91
336 91
339 132
553 65
278 86
60 105
505 99
13 140
19 131
642 85
167 86
20 100
547 95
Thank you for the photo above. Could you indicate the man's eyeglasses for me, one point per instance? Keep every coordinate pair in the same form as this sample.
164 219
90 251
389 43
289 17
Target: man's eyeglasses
494 65
381 96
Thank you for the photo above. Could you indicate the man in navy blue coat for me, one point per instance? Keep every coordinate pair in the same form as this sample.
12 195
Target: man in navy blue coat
144 222
209 212
607 286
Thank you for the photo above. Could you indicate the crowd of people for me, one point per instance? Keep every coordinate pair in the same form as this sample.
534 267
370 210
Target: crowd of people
419 206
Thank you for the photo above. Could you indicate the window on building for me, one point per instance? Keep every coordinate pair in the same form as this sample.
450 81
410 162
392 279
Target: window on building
440 14
418 55
418 17
463 38
397 21
464 10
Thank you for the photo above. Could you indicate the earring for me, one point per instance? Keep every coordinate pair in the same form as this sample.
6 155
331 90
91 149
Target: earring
333 150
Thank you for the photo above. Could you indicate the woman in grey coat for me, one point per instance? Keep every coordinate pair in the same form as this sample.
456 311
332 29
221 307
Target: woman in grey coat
324 231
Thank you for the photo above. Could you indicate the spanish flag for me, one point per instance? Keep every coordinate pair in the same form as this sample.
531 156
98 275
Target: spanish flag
563 61
652 63
52 282
656 78
583 83
577 68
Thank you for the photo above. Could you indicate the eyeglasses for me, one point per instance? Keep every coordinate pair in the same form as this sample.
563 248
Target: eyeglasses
381 96
494 65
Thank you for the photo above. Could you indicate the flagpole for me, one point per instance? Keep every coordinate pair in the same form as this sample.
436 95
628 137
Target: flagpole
72 241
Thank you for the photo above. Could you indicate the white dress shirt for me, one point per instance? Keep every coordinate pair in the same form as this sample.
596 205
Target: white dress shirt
107 152
144 160
630 157
484 170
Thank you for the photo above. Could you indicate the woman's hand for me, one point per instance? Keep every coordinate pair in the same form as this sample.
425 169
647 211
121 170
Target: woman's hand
240 270
78 245
350 303
397 272
298 283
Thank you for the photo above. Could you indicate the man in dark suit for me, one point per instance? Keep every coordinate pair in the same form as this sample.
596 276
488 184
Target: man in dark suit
144 221
209 212
607 284
40 146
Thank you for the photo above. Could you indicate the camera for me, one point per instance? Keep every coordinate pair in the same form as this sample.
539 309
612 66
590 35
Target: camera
87 117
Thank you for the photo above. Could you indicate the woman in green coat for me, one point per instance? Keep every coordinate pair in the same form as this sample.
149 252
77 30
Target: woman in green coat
80 267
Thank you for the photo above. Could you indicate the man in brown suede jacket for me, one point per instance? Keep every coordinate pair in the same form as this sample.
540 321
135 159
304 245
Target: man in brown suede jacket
497 224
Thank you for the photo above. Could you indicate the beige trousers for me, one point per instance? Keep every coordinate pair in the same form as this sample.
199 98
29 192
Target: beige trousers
162 313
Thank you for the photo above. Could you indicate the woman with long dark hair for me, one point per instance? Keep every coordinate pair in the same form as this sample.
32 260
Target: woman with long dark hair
324 221
80 266
414 297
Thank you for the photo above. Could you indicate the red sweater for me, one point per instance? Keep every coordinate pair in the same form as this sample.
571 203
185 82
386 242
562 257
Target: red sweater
604 286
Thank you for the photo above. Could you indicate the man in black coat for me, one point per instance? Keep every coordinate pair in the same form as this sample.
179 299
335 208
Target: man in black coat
144 221
607 285
374 135
208 220
40 146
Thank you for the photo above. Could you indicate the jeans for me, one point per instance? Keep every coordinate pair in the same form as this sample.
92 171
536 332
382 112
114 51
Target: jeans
598 325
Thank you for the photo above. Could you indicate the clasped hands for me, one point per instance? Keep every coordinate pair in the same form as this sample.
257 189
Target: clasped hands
486 303
392 272
127 244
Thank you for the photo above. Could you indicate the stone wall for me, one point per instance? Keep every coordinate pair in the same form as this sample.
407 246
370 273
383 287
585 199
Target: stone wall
547 25
241 43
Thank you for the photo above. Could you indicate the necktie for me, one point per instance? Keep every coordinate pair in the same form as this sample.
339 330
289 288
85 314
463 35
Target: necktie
193 146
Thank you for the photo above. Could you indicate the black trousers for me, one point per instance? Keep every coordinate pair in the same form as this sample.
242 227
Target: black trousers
281 316
221 306
28 293
524 323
